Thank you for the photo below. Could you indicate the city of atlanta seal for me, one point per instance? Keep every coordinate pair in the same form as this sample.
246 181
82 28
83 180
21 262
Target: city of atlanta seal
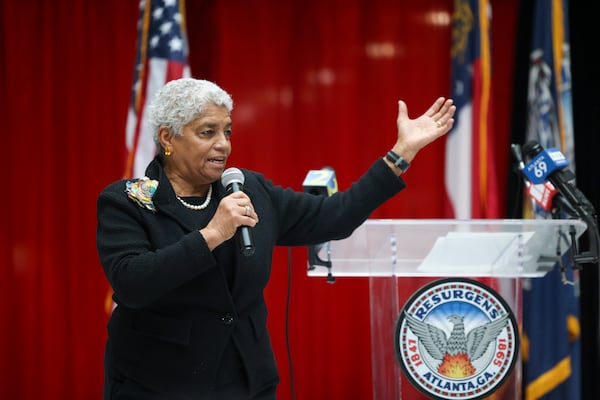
456 338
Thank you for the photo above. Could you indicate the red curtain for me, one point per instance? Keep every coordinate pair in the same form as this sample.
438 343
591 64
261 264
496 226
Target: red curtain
315 83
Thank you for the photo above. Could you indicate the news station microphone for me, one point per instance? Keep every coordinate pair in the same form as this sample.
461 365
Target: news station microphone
233 181
551 165
320 182
544 194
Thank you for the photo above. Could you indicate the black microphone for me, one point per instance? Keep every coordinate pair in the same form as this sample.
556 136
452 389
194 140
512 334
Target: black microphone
233 181
545 194
551 165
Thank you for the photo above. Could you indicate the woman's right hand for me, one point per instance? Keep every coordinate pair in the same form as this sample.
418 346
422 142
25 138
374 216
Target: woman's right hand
234 210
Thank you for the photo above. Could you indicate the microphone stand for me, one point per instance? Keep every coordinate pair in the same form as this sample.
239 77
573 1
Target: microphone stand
314 259
590 256
574 207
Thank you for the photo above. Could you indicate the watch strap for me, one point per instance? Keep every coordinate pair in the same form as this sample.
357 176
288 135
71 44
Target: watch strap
397 160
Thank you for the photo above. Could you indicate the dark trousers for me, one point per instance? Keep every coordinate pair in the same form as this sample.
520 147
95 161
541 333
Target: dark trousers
129 390
235 387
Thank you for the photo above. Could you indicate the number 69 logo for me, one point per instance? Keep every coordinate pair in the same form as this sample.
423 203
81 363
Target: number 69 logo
540 169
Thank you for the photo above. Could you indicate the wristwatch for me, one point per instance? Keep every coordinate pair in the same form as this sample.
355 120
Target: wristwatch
397 160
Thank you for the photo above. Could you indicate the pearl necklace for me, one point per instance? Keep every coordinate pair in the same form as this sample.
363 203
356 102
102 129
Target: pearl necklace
200 206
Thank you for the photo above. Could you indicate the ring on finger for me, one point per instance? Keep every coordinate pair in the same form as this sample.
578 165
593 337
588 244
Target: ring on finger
439 123
248 211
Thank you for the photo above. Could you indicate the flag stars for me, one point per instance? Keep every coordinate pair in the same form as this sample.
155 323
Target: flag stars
154 41
176 44
165 36
158 13
166 28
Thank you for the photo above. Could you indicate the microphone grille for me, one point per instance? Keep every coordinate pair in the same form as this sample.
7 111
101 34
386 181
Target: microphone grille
231 175
532 148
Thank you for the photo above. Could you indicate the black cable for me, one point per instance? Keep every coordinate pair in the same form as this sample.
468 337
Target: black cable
287 315
517 208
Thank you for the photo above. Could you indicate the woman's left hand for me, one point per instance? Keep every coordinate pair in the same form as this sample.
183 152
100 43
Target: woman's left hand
414 134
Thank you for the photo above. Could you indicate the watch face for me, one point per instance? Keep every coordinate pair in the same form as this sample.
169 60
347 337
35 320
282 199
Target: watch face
456 339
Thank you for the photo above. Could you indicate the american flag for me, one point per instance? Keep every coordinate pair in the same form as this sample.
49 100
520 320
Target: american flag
161 56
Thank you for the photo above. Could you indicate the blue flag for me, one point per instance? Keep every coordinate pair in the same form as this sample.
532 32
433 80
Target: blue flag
551 334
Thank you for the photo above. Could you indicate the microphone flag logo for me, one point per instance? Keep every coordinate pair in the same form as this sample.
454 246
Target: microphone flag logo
456 338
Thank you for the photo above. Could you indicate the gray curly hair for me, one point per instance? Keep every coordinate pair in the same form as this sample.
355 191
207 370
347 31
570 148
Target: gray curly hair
181 101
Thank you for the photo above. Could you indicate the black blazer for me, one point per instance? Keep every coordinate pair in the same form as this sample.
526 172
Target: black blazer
180 305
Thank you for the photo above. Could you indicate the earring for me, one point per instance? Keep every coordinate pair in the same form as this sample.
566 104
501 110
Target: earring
167 152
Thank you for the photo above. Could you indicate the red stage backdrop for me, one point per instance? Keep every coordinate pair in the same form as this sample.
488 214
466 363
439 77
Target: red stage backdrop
315 83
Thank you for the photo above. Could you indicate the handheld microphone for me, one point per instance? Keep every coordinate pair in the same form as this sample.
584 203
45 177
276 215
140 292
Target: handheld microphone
544 194
233 181
551 165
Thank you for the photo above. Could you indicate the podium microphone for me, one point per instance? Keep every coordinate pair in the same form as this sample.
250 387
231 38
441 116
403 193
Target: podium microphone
544 194
233 181
551 165
321 182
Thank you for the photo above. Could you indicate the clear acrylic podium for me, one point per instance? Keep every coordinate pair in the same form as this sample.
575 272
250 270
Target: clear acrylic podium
399 256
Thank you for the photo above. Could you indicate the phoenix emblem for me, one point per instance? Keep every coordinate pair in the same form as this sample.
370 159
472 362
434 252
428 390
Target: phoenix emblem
457 351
